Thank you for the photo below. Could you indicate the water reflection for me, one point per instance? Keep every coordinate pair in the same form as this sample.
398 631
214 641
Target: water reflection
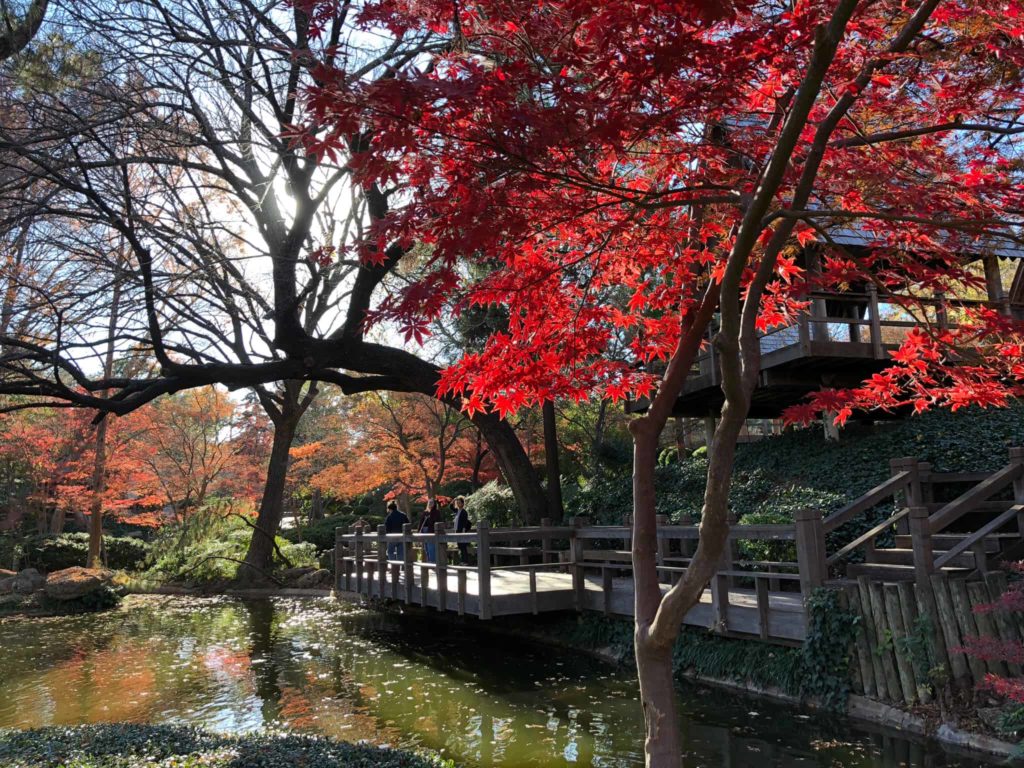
320 667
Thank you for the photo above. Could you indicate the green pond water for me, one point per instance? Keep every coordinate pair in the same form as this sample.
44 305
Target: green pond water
316 666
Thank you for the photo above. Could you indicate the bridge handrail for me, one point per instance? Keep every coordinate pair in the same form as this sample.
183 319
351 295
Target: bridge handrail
969 541
967 501
891 487
867 537
689 532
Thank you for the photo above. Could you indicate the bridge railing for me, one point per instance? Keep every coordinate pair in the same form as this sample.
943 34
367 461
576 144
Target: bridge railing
363 565
972 522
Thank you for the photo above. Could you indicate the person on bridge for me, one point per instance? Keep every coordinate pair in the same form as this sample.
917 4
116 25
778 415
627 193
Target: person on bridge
462 525
393 524
431 517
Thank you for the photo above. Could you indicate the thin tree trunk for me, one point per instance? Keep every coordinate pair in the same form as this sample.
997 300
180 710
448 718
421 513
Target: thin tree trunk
99 470
259 559
99 466
663 747
554 473
478 460
662 743
679 424
598 444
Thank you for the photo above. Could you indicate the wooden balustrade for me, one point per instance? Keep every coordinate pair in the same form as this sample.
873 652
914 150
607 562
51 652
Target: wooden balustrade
589 567
575 553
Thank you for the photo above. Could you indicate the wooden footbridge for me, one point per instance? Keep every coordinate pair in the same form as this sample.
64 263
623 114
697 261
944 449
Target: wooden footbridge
583 567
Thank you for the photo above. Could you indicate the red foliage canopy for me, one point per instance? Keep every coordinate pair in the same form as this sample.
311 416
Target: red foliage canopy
606 162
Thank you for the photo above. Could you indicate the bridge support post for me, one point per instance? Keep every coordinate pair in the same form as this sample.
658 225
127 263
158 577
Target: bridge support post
407 555
1017 455
441 547
545 541
483 567
912 491
877 347
921 541
810 550
340 564
359 558
382 560
576 562
686 546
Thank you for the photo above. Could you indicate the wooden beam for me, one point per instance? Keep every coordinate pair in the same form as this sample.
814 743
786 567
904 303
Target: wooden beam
407 554
483 564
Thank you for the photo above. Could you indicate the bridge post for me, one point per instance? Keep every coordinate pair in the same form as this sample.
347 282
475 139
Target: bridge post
340 564
912 493
686 545
663 550
1017 456
576 561
407 554
545 540
359 558
483 567
382 560
810 550
441 547
877 347
921 542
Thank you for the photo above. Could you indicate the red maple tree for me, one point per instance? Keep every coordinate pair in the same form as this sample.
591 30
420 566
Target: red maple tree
693 157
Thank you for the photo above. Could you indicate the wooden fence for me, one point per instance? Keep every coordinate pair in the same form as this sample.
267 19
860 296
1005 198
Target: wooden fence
910 638
586 567
928 555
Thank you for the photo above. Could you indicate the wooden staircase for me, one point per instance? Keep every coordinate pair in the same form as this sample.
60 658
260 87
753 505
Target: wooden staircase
966 537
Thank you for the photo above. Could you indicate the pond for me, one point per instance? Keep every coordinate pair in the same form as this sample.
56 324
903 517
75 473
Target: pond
317 666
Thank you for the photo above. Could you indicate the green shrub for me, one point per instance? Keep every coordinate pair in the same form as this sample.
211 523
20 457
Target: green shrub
321 532
124 745
55 553
494 503
668 456
209 546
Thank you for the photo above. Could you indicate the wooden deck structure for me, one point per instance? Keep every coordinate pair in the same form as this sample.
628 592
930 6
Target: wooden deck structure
842 339
582 567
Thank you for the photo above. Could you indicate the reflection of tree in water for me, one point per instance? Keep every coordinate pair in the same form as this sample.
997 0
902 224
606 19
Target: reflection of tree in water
260 620
321 668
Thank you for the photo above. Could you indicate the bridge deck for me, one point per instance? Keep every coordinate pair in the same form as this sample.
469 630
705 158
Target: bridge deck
779 616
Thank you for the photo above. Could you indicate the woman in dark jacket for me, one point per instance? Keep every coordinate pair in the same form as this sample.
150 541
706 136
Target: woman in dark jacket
430 518
462 525
394 523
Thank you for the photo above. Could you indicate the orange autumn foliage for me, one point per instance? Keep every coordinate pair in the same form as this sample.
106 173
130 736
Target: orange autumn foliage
163 460
406 442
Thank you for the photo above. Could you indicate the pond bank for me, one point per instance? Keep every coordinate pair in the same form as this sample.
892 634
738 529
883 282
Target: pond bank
125 744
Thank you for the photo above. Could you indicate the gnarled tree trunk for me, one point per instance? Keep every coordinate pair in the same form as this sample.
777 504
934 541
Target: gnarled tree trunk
552 469
515 466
